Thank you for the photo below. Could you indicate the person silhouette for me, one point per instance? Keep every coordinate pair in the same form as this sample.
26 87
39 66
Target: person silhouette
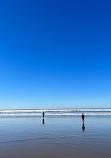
83 127
83 117
43 114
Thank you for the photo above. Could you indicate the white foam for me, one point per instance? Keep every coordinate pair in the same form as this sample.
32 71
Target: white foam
54 110
58 114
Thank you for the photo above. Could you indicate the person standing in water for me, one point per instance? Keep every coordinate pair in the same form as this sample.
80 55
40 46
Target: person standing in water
82 117
43 114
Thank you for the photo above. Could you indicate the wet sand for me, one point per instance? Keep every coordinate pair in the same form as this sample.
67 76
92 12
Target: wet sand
55 137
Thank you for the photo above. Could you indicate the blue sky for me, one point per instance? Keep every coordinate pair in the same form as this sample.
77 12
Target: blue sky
55 54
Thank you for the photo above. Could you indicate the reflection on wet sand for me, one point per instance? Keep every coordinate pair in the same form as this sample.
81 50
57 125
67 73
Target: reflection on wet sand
43 122
65 137
83 127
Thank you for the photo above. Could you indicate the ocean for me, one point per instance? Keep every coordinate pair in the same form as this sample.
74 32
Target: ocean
61 133
56 112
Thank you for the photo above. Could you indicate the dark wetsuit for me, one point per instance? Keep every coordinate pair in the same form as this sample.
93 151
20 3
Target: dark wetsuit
83 117
43 114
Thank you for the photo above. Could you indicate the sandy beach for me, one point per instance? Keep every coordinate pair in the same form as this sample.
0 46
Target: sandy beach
55 137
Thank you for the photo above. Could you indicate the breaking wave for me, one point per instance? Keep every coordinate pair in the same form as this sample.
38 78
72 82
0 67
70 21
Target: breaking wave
56 112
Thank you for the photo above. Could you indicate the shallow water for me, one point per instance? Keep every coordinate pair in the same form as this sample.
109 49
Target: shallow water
58 136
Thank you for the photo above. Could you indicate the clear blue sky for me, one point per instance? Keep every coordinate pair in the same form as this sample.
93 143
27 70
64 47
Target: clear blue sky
55 53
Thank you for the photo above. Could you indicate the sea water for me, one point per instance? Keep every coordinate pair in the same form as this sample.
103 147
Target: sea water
56 112
61 135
